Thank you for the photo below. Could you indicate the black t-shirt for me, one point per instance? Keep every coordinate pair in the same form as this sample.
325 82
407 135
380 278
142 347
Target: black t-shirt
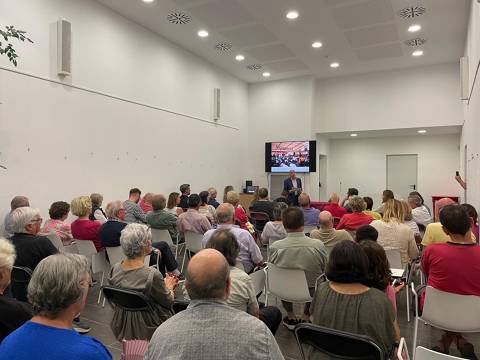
13 314
31 249
265 207
109 233
183 202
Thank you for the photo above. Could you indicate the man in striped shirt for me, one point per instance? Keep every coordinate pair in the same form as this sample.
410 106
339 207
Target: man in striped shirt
134 213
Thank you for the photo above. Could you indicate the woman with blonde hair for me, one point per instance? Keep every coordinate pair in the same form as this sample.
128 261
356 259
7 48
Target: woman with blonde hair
393 234
408 220
83 228
225 192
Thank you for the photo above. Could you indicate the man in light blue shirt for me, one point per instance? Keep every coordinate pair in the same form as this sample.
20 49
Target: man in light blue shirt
310 214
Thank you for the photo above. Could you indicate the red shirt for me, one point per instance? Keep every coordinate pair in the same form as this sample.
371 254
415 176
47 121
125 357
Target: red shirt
353 221
145 207
87 230
335 209
241 217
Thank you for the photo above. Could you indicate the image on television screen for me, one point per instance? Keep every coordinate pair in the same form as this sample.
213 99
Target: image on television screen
291 155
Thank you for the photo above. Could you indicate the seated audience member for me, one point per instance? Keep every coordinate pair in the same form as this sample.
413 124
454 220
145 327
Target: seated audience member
212 197
264 205
422 200
334 208
97 211
327 233
352 221
369 206
434 232
17 201
192 220
133 274
133 211
310 214
58 214
58 292
249 252
146 203
185 193
298 251
205 209
30 248
109 233
274 230
83 228
420 213
408 220
226 190
283 197
236 334
387 195
451 267
366 232
240 215
344 303
346 200
172 204
159 218
393 234
13 313
474 217
242 292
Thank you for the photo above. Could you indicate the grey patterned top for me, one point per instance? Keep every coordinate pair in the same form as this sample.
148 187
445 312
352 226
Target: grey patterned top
134 213
212 330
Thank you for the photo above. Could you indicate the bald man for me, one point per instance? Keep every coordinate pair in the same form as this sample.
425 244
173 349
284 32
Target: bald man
327 233
209 328
334 207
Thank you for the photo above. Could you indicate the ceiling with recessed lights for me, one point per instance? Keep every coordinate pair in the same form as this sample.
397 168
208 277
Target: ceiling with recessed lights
358 36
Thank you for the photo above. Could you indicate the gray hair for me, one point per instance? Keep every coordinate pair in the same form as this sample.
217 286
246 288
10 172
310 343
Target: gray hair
278 209
415 199
96 199
7 254
113 208
19 201
21 217
56 283
134 238
225 213
357 203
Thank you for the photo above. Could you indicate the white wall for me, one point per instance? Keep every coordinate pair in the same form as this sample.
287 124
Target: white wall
59 142
361 163
413 97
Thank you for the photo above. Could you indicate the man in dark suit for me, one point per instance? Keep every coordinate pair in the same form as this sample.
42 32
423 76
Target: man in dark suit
294 187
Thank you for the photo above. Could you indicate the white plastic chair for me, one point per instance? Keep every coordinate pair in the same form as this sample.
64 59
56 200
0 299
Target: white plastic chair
422 353
258 278
394 258
56 241
402 351
287 284
193 243
447 311
115 254
164 235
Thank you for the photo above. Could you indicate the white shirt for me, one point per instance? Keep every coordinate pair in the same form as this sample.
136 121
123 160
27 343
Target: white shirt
421 215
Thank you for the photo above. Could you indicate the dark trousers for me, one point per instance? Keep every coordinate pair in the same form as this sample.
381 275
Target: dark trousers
271 316
167 262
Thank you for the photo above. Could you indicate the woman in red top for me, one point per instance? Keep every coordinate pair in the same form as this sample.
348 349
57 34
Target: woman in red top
240 215
351 222
83 228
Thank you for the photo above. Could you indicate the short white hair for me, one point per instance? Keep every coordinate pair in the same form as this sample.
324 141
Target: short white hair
21 217
113 208
134 238
7 254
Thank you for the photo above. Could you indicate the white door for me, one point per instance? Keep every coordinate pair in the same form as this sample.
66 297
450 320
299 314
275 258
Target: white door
402 174
322 177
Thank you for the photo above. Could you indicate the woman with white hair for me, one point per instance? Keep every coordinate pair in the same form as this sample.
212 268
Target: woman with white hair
274 230
58 292
133 274
13 313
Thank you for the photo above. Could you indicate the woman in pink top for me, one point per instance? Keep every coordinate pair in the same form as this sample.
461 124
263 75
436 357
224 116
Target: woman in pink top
83 228
146 203
58 214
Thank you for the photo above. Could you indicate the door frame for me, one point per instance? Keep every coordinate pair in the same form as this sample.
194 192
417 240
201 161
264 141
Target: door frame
416 168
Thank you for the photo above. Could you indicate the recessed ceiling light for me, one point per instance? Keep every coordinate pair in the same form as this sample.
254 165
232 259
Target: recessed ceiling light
417 53
353 135
422 131
334 65
266 74
239 57
292 15
317 44
203 33
148 1
414 28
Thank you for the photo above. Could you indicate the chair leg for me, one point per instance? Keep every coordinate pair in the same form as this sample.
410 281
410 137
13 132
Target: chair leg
408 303
183 261
100 292
415 332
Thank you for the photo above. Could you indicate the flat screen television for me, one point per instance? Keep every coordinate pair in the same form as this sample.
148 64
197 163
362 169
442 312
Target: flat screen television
281 157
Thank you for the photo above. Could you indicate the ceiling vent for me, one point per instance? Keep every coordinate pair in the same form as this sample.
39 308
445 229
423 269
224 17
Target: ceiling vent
254 67
178 18
415 42
223 46
412 12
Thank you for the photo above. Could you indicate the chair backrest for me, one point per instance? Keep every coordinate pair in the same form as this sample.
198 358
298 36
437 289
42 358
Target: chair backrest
337 344
288 284
394 258
100 263
451 312
55 240
422 353
86 248
161 235
402 351
258 279
129 300
20 278
115 254
193 241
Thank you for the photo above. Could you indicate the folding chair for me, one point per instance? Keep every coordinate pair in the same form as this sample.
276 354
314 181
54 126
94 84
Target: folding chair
20 278
258 279
115 254
55 240
193 243
336 344
258 218
447 311
164 235
395 260
287 284
422 353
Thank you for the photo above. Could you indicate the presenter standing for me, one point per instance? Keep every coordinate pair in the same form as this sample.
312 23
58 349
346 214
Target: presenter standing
294 187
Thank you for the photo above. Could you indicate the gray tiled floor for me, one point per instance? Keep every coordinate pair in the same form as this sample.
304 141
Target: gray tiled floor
99 319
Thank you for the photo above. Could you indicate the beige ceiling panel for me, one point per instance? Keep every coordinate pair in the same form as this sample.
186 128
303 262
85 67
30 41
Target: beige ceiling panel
271 52
380 52
341 2
250 35
190 2
287 66
225 13
372 35
363 14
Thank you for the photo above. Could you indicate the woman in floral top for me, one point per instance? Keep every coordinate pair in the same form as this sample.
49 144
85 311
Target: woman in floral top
58 213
